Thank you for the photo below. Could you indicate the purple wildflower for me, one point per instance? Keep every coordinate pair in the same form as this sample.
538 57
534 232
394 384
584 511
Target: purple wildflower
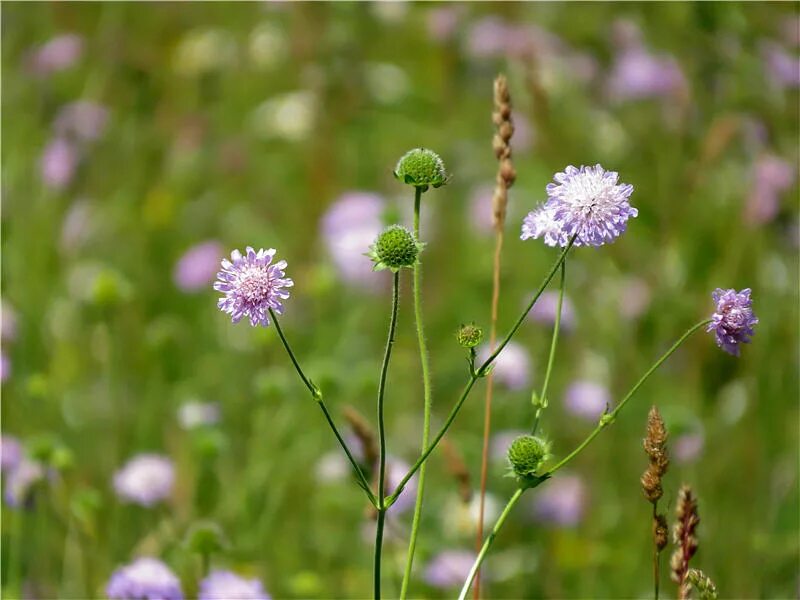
226 585
145 479
396 469
783 68
58 163
733 320
772 176
252 285
10 452
688 446
638 74
449 568
587 399
480 209
541 223
512 366
5 367
20 480
82 121
57 54
196 268
561 502
144 579
546 307
442 22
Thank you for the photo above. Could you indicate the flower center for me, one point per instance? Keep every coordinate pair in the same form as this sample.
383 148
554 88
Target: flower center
255 285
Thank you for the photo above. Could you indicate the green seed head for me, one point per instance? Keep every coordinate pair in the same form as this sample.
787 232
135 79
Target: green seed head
395 248
527 454
421 168
469 336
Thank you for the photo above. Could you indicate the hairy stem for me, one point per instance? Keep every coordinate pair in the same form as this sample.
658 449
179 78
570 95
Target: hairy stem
382 434
316 393
426 392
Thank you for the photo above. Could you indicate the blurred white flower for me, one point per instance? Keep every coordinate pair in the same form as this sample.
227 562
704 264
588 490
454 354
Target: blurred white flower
267 46
461 518
387 83
289 116
204 50
192 415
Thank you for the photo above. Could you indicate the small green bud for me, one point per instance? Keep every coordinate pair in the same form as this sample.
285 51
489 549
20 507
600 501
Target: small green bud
205 538
395 248
421 168
527 454
469 336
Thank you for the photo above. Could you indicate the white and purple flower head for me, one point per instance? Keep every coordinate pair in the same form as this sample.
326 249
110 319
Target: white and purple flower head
585 202
449 568
226 585
57 54
587 399
196 268
561 502
733 320
253 285
145 479
20 480
144 579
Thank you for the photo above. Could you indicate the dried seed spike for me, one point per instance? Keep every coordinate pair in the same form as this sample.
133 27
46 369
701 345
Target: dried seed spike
501 117
684 536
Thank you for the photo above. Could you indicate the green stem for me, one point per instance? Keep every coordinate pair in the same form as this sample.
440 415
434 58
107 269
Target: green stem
542 401
426 392
316 393
382 435
487 544
608 418
477 373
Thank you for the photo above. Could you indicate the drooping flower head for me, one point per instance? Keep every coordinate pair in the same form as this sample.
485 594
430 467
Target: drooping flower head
586 202
252 285
733 320
144 579
226 585
145 479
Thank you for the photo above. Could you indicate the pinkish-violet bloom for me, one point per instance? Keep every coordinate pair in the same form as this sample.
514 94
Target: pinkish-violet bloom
144 579
480 209
442 22
58 163
252 285
5 367
10 452
512 367
733 320
638 74
396 469
772 176
196 268
57 54
449 568
587 399
687 447
145 479
560 502
226 585
783 68
585 202
20 480
82 121
546 307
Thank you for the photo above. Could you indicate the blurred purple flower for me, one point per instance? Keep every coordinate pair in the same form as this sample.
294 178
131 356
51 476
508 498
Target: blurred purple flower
5 367
349 227
77 225
57 54
733 320
144 579
58 163
634 298
10 452
19 481
8 321
546 307
252 285
226 585
560 502
687 447
498 446
480 209
145 479
196 268
512 367
772 176
192 415
587 399
443 21
83 121
783 68
487 38
449 568
637 74
396 469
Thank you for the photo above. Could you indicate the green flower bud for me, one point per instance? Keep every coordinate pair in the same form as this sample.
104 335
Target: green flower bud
527 454
421 168
395 248
205 538
469 336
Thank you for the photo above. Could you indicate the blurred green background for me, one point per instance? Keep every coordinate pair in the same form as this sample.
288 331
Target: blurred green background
245 124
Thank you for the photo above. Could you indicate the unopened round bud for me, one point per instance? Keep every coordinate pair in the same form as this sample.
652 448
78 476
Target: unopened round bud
469 336
527 454
396 247
421 168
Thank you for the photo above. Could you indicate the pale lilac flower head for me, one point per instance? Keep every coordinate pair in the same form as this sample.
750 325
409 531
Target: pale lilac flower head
512 367
226 585
586 202
252 285
57 54
58 163
487 38
587 399
733 320
349 227
545 309
144 579
19 481
687 447
442 22
8 321
192 415
82 121
638 74
783 68
771 177
480 209
5 367
396 469
560 502
10 452
145 479
196 268
449 568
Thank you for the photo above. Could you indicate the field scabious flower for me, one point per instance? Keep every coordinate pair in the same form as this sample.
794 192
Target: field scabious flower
144 579
449 568
196 268
145 480
512 367
587 399
226 585
252 285
561 502
586 202
10 452
733 320
19 481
